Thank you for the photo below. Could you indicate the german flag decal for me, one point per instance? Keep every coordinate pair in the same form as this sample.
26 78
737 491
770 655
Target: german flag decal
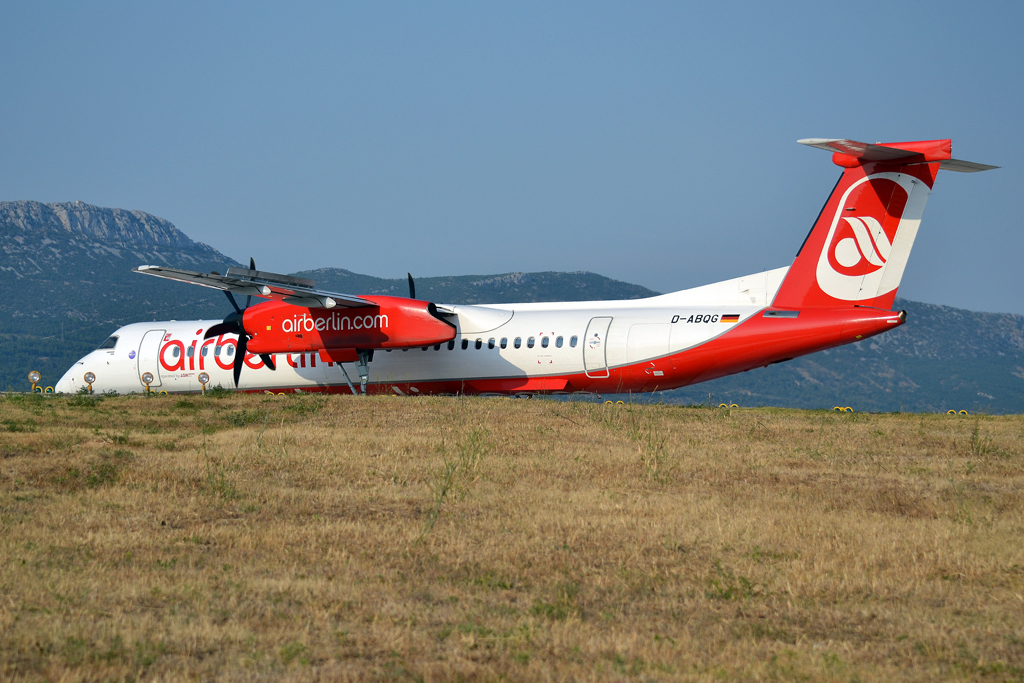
730 318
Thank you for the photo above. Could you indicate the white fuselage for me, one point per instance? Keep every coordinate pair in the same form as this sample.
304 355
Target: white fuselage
585 339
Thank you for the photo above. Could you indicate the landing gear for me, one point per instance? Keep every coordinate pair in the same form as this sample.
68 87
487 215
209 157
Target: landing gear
347 380
362 367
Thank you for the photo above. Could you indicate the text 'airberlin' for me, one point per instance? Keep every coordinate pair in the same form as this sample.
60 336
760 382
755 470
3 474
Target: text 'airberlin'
333 322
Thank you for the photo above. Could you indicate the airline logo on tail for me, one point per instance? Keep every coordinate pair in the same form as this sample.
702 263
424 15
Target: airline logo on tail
873 227
860 247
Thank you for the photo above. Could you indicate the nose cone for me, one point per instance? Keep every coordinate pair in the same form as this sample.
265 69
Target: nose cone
72 380
65 386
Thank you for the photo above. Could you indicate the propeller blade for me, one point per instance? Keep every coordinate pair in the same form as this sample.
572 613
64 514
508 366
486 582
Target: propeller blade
232 324
231 298
252 266
222 328
268 360
240 356
412 287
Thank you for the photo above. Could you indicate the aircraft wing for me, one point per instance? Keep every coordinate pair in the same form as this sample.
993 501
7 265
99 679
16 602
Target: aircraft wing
244 282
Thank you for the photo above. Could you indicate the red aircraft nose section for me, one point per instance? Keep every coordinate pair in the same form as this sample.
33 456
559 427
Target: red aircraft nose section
391 323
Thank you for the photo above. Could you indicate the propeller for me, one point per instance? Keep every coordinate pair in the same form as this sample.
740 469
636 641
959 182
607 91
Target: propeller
412 287
232 324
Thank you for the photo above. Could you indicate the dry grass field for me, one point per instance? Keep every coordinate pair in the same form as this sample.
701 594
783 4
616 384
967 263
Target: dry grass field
309 538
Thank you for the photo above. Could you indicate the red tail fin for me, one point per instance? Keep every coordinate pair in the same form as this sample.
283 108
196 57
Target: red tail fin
859 246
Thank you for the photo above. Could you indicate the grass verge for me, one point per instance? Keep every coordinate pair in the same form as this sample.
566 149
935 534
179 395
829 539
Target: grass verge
310 538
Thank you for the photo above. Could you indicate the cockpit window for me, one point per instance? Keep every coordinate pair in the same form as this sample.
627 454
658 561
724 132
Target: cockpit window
110 343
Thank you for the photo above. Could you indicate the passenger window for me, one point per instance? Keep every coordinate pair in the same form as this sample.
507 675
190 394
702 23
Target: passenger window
231 350
465 344
479 343
451 345
558 342
425 348
490 343
177 352
205 351
216 350
109 343
529 343
518 342
572 341
504 342
437 347
191 351
544 342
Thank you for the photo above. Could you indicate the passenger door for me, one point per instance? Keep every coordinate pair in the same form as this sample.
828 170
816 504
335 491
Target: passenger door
149 356
595 342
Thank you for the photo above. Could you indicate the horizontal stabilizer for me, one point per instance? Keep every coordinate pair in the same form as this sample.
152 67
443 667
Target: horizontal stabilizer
924 151
964 166
860 150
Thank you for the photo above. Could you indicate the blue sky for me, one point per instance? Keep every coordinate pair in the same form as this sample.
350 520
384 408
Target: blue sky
649 142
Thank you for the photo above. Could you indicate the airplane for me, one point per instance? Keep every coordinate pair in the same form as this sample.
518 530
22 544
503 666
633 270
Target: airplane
839 289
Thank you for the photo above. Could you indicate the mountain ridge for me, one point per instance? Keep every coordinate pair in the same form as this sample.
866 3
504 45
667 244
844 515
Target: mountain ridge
112 226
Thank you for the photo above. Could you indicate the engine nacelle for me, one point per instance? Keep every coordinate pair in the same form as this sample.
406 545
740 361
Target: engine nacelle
392 323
